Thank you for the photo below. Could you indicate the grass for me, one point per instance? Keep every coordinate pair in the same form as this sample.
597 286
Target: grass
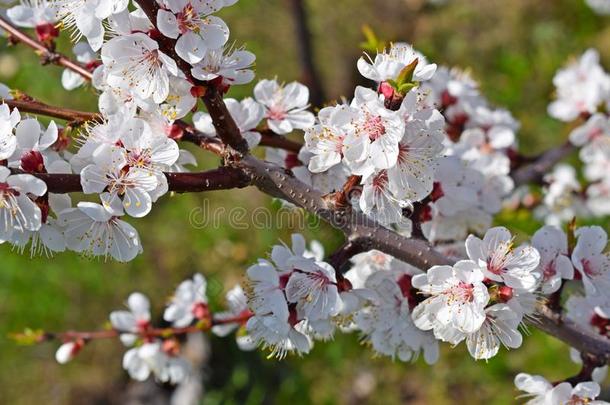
513 48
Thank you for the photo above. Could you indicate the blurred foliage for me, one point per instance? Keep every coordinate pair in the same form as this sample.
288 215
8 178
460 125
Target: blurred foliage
512 47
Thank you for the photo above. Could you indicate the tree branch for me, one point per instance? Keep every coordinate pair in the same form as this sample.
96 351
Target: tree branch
223 178
533 172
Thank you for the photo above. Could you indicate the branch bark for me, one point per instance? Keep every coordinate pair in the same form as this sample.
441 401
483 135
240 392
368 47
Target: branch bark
36 107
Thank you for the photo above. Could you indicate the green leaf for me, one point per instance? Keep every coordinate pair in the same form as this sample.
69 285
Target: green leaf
28 337
371 43
406 74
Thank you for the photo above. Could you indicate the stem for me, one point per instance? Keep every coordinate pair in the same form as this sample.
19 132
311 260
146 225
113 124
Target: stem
589 364
340 258
37 107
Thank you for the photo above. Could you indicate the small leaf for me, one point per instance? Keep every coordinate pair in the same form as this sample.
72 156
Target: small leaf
28 337
406 74
571 235
371 43
405 88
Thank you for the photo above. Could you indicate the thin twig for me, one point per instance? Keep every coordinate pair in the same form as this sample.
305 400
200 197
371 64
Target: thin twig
45 53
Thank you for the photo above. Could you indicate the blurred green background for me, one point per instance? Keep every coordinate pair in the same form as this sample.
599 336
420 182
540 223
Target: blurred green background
512 47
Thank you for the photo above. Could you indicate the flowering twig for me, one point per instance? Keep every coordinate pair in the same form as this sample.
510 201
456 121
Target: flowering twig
361 231
30 105
45 53
86 336
225 126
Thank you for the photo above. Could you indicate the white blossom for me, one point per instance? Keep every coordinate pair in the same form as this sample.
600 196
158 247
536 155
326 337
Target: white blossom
388 64
497 257
188 303
285 106
191 23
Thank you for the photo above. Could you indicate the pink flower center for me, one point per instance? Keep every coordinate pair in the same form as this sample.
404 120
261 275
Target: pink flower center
142 325
188 19
276 113
589 269
380 181
496 262
549 270
463 292
200 310
374 127
403 153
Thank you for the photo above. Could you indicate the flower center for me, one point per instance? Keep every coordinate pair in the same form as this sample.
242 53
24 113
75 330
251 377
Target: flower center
188 20
380 181
276 113
374 127
463 292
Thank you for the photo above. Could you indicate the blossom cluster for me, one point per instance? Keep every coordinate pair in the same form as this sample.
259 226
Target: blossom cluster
583 97
473 178
121 158
294 298
156 352
385 135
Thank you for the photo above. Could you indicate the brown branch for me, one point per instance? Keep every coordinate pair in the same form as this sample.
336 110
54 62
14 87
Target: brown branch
341 257
268 138
47 55
533 172
223 178
573 334
309 73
